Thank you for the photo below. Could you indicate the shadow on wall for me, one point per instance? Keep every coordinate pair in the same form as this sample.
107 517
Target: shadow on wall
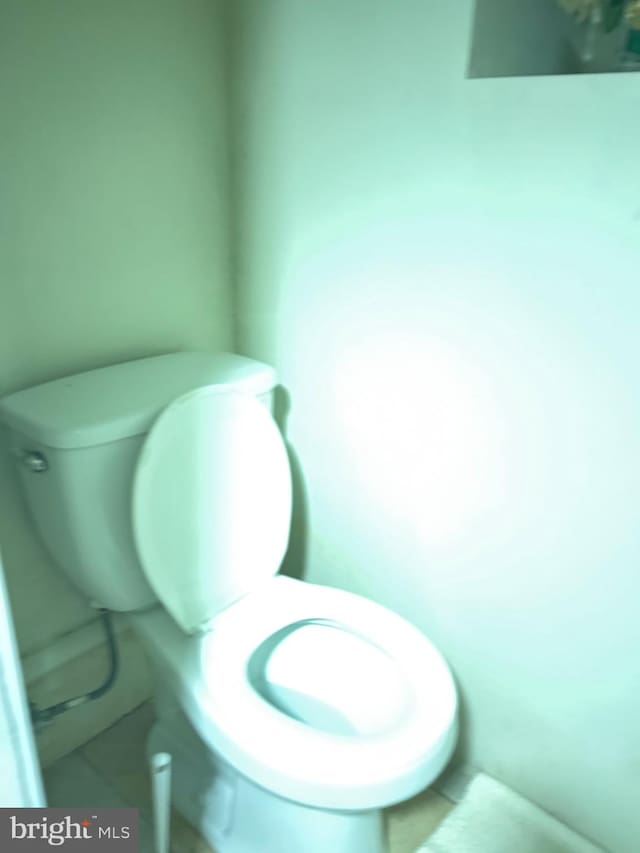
462 751
295 559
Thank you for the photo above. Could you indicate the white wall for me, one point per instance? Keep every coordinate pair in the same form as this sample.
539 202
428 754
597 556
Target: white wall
114 241
444 272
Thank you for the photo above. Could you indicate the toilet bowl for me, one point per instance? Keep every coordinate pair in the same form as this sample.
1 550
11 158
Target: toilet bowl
294 712
374 726
314 709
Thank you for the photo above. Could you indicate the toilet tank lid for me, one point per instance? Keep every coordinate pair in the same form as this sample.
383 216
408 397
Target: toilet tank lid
124 399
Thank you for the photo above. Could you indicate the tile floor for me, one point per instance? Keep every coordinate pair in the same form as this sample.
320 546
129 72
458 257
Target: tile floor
111 771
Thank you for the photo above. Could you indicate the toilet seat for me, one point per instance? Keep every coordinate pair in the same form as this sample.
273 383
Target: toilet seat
212 487
207 673
292 758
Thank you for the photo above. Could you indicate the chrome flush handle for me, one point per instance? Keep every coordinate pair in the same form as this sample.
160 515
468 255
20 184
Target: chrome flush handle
34 461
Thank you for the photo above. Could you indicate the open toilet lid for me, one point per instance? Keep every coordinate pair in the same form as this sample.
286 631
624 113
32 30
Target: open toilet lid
211 503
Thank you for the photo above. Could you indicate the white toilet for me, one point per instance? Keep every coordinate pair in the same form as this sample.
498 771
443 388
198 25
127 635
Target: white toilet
294 712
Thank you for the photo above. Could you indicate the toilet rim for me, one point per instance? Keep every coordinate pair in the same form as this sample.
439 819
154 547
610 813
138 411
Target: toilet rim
294 758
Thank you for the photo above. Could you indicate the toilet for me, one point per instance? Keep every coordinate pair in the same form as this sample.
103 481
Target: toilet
294 712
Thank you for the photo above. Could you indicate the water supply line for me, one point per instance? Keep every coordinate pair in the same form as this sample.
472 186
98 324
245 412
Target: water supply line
41 717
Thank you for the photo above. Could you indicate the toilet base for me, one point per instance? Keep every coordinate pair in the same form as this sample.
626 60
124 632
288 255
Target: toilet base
234 815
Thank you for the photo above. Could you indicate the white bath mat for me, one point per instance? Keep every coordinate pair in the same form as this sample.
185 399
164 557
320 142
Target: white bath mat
494 819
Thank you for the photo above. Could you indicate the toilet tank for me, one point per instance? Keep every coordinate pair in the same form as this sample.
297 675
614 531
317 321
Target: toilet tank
76 442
